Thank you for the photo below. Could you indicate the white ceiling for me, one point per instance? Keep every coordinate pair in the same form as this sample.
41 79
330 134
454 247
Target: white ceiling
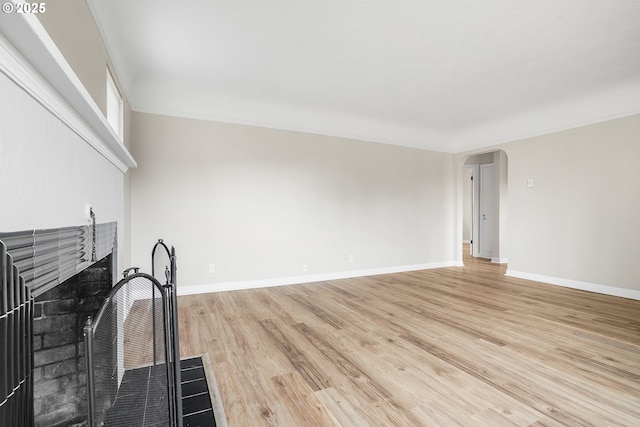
448 75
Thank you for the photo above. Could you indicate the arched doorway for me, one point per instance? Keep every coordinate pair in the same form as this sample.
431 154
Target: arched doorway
484 205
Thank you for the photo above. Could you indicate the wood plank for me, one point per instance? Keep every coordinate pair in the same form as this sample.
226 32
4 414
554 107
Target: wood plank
343 412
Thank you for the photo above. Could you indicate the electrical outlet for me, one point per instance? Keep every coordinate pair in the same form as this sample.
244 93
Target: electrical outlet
212 268
305 267
350 258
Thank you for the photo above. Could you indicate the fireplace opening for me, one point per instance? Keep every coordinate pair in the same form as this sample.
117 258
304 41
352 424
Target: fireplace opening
59 373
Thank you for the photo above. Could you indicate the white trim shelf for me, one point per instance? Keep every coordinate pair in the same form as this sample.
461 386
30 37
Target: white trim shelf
31 60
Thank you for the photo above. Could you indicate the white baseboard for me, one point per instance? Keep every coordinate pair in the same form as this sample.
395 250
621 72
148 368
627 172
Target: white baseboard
499 260
293 280
576 284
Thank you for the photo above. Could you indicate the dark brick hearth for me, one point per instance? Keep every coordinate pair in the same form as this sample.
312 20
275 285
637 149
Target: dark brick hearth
59 317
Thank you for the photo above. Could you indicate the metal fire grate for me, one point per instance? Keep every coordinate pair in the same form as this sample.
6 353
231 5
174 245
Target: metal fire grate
127 351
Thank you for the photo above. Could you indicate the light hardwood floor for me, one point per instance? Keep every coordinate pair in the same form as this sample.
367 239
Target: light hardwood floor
454 346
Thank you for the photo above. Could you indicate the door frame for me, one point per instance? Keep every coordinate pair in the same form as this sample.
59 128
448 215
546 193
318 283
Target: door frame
488 198
475 209
473 160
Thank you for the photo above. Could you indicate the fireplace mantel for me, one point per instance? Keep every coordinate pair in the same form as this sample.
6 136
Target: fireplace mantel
46 258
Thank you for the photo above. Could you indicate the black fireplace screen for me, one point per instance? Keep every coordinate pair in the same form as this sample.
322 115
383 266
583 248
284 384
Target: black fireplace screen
127 369
133 373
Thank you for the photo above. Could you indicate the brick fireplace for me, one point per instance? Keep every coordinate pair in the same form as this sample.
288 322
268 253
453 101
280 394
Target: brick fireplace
51 281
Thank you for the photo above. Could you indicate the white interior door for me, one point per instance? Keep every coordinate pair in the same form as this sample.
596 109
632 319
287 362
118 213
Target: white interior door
487 210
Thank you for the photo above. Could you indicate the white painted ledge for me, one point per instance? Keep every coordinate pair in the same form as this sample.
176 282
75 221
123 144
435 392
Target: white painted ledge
31 60
295 280
576 284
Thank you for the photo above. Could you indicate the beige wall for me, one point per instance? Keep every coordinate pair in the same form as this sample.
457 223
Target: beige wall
259 203
580 220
